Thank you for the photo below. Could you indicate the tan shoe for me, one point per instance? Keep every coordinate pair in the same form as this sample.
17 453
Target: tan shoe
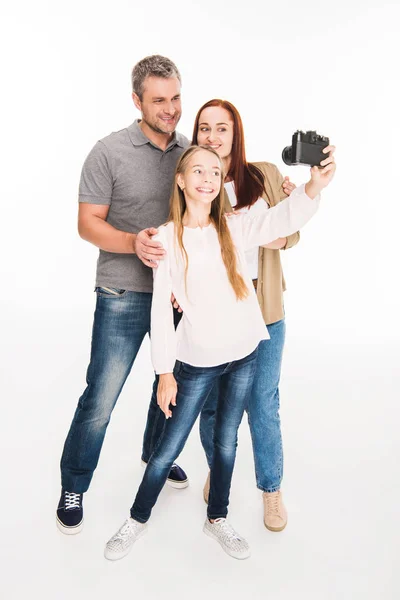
275 515
206 489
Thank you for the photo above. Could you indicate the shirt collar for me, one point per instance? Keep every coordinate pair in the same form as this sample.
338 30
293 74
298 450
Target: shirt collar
138 138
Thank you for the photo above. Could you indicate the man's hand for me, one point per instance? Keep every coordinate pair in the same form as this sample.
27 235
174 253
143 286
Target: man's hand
148 251
166 393
288 186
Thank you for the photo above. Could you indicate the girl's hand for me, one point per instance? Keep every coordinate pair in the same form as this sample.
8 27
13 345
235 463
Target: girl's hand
288 186
166 393
322 177
175 304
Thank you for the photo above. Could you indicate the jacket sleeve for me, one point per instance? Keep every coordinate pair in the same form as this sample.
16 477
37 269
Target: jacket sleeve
294 238
281 220
162 334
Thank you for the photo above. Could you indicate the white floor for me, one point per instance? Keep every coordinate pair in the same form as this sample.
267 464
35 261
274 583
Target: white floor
341 486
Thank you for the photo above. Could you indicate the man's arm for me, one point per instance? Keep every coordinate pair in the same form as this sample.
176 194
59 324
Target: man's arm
93 228
95 198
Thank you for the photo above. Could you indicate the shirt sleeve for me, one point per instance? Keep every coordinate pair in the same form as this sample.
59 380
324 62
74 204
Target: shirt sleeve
162 335
96 182
280 221
293 239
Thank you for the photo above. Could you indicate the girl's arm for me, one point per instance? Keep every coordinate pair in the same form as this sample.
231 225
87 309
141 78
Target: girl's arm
293 213
162 335
282 220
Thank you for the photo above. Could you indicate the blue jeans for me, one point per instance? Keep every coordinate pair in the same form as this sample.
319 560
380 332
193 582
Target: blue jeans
194 385
121 321
262 411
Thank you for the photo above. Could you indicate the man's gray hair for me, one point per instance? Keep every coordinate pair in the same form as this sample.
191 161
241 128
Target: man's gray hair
152 66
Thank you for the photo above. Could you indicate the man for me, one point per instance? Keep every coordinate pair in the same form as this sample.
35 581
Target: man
124 192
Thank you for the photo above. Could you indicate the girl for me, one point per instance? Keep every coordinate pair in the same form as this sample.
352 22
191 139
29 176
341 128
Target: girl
218 336
253 188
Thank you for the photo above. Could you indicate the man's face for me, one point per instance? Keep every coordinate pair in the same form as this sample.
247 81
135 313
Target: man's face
160 104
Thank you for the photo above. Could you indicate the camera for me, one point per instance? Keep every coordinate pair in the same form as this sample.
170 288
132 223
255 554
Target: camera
306 149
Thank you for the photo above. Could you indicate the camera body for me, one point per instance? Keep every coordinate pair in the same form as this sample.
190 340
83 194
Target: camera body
306 149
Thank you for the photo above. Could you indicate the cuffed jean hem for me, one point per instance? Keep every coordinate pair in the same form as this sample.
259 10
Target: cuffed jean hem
79 488
217 516
139 519
269 490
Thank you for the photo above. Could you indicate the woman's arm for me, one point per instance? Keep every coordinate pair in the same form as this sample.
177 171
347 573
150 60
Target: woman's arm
284 188
287 188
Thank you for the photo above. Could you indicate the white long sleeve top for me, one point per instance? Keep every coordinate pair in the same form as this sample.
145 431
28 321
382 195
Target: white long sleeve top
259 206
215 328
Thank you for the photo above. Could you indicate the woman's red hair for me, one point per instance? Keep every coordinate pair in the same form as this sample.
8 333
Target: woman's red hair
248 179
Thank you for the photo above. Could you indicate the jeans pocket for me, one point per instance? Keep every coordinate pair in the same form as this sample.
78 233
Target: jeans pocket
109 292
177 367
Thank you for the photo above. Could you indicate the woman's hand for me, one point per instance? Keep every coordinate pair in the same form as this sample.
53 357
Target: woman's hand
166 393
288 186
320 178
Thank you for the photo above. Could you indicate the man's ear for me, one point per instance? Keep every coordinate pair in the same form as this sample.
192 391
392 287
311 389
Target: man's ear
136 101
180 181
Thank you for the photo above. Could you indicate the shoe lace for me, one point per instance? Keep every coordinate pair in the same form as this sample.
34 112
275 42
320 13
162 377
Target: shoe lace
71 500
228 530
125 530
273 502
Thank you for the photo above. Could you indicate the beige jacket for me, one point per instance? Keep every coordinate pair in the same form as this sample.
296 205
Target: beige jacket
271 283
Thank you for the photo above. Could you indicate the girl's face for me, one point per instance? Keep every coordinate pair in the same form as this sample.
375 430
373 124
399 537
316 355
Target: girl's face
216 130
201 180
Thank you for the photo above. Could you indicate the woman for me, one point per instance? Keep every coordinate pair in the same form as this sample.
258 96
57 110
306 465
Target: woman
205 268
254 188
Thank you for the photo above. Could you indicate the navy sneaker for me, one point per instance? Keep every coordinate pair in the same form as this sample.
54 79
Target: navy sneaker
177 477
70 513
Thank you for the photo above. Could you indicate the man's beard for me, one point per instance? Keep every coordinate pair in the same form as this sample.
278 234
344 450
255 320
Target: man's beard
158 129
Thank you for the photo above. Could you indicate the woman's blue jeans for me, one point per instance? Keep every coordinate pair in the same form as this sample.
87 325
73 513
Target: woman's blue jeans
262 410
194 385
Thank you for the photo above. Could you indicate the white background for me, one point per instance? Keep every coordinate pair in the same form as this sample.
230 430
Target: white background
330 66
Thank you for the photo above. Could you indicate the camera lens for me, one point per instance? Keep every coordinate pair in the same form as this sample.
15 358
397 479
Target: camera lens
287 155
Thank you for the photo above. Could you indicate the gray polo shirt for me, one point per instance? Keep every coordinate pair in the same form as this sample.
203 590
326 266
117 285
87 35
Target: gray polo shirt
133 176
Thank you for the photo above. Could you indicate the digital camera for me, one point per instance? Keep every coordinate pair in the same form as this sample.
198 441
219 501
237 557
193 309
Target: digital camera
306 149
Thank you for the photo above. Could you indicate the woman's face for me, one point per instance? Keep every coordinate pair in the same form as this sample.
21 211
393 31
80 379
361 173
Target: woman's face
201 180
216 130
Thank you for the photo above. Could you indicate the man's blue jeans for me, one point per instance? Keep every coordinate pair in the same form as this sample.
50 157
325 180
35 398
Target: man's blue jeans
262 410
121 321
194 385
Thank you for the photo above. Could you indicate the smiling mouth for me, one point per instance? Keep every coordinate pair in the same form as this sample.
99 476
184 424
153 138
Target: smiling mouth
204 190
214 146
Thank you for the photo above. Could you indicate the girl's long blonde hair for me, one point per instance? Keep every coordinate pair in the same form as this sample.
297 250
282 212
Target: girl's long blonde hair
217 218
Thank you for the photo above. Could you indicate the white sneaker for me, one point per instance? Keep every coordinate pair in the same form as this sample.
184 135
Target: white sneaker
121 543
231 542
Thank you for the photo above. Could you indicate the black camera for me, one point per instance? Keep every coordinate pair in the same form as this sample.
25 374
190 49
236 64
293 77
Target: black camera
306 149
